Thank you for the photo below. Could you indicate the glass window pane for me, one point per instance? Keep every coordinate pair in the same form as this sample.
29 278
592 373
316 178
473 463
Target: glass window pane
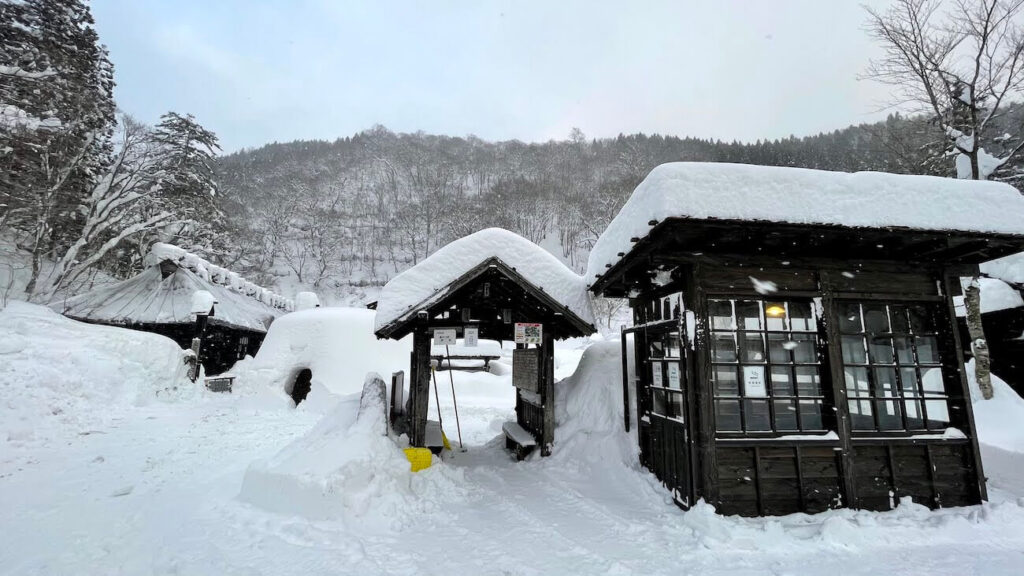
908 380
880 349
931 381
721 315
748 314
785 415
778 348
654 311
725 347
898 317
726 383
904 351
889 416
657 349
927 350
727 415
672 349
857 381
753 347
659 404
853 350
915 420
849 318
876 318
756 415
885 383
800 318
676 405
810 415
938 413
808 381
861 415
804 348
657 374
921 319
782 381
775 315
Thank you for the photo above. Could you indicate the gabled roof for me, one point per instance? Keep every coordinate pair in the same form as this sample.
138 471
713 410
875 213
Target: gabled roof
457 265
162 294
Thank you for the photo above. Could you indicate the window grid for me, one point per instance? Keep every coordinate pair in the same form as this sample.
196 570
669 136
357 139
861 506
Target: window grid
892 367
783 348
665 351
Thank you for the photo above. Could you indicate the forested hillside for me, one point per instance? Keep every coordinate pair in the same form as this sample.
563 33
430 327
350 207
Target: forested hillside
342 217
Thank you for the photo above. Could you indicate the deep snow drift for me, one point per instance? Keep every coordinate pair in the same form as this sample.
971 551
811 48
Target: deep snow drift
57 374
336 344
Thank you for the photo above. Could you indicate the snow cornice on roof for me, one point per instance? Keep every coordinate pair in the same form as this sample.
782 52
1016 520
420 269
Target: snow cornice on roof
700 191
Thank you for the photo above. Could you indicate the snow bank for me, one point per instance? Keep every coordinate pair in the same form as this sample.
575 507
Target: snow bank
336 344
57 373
422 284
348 468
1009 268
995 295
801 196
1000 420
589 410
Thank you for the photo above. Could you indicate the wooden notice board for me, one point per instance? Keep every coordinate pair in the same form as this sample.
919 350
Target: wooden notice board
526 369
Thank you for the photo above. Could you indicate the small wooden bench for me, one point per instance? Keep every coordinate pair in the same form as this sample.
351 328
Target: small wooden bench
518 439
442 365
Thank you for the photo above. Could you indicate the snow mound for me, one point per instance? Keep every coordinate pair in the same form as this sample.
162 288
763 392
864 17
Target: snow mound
1008 268
348 468
336 344
589 410
995 295
60 374
418 285
1000 421
702 190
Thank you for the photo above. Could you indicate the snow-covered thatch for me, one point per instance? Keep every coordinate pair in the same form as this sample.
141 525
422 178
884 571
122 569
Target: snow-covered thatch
163 294
421 285
719 191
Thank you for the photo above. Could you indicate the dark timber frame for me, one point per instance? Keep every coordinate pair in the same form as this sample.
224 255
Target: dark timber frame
864 437
491 297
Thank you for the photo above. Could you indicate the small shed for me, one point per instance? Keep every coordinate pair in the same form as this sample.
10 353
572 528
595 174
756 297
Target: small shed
492 285
795 338
160 300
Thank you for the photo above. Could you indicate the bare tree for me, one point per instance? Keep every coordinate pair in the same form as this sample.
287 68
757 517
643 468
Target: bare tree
962 70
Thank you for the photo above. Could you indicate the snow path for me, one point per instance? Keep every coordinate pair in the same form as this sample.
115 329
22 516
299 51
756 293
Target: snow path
178 470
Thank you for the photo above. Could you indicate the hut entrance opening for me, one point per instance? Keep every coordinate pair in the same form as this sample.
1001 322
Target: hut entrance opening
489 302
301 386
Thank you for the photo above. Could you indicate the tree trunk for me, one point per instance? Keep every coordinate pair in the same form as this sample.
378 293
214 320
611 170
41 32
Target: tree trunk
979 346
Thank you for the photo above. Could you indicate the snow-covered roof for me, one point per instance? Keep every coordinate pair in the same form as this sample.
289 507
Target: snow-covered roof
425 283
699 190
151 298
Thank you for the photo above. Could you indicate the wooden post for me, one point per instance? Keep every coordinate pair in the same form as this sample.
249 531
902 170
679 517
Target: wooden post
419 384
703 394
948 282
834 363
547 368
625 376
197 344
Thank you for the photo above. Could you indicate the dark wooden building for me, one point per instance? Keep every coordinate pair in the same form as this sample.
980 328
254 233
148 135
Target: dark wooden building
795 338
159 300
490 284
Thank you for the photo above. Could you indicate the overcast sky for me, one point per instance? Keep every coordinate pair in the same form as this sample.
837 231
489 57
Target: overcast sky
256 71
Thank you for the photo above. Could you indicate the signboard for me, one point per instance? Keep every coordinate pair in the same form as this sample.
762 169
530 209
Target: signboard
470 337
754 382
526 369
656 379
528 333
444 337
673 375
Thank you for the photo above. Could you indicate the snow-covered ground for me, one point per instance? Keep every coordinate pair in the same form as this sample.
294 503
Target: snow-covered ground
156 487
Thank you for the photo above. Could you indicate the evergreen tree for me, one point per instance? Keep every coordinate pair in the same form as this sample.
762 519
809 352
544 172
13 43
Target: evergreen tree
56 117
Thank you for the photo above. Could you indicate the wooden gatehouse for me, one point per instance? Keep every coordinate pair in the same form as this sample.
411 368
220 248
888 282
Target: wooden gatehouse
794 332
